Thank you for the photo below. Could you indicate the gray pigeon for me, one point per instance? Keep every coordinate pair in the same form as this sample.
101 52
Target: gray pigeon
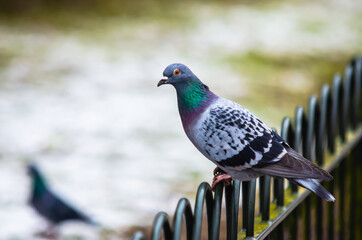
241 145
49 205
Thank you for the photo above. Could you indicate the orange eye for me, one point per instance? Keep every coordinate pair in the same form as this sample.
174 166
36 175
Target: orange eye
176 72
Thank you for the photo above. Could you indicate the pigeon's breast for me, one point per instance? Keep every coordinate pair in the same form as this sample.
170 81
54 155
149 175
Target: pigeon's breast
195 134
212 137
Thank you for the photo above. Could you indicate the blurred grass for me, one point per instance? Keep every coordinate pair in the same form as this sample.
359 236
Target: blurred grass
83 14
313 26
5 58
282 81
71 14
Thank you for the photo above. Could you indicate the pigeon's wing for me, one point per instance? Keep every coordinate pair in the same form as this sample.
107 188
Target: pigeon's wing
57 210
233 137
66 211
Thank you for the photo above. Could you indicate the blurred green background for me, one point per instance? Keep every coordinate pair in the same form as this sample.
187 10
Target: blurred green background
78 94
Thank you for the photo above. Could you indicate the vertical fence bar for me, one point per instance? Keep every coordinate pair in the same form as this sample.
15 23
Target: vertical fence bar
352 196
319 224
138 236
355 168
340 110
299 132
353 165
285 133
330 209
161 224
232 196
203 194
341 205
357 75
250 208
334 112
216 213
244 191
183 209
322 126
279 191
358 208
310 134
311 126
298 126
345 117
264 190
280 231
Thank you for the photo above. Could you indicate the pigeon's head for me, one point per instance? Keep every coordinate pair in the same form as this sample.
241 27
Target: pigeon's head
32 170
177 74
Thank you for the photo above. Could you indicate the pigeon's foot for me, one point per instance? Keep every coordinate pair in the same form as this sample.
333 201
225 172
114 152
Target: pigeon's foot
49 233
220 176
218 171
46 234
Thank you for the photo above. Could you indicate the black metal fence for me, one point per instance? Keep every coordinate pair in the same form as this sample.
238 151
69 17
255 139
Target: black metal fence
330 133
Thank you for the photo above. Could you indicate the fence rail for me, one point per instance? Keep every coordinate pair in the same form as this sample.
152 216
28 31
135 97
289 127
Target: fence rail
330 133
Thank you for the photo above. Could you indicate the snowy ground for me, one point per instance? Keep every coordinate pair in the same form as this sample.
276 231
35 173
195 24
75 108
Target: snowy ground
84 104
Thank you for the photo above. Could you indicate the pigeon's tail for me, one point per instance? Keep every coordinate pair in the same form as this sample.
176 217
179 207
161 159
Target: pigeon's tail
93 223
90 221
314 186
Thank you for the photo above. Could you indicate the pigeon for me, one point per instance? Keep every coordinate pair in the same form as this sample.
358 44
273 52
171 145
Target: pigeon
240 144
49 205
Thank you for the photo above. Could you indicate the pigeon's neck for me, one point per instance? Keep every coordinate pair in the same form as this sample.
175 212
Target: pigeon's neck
39 185
192 100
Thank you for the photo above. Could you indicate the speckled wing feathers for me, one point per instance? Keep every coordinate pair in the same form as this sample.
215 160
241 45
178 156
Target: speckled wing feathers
233 137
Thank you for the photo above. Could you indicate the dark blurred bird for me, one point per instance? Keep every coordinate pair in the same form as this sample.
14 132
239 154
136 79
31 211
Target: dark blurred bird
49 205
240 144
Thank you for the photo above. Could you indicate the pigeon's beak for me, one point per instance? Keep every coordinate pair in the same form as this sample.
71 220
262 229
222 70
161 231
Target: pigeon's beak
162 81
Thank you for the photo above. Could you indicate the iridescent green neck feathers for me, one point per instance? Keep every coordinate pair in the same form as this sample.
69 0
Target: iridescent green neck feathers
39 185
192 96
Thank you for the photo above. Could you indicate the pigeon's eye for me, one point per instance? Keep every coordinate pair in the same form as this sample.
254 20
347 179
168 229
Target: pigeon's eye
176 72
